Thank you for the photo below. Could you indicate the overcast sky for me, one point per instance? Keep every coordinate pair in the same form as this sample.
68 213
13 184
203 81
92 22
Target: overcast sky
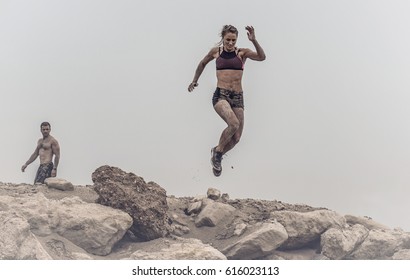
326 114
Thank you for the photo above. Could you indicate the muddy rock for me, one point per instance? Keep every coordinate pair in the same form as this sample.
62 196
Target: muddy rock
145 202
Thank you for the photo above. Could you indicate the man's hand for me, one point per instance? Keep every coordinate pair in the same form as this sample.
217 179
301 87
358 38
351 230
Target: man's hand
192 86
54 172
251 33
23 167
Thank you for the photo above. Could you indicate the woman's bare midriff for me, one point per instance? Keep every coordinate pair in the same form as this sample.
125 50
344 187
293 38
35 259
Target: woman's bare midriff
230 79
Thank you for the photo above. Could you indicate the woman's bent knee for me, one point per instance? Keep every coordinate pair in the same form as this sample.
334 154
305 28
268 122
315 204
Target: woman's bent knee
234 125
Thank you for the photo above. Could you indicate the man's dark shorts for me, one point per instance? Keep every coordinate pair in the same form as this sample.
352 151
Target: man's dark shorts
43 172
235 99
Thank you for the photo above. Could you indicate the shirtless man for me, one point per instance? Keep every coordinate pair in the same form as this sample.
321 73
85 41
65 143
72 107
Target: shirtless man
47 147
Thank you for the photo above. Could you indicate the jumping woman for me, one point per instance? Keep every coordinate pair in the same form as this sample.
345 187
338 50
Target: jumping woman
228 96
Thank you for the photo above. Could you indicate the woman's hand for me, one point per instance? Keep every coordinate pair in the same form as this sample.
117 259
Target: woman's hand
192 86
251 33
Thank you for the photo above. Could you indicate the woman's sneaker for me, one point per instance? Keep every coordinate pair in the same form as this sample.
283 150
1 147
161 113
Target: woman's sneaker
216 159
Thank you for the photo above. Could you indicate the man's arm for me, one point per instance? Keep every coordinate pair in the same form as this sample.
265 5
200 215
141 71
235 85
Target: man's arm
55 147
32 157
201 67
259 55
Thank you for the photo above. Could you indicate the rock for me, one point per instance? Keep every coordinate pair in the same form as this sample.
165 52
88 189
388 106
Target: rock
261 242
35 208
403 254
365 221
60 248
225 197
306 227
17 242
206 201
194 208
178 220
199 197
213 194
183 249
337 243
213 214
298 254
145 202
59 184
93 227
380 245
39 222
80 256
240 229
180 230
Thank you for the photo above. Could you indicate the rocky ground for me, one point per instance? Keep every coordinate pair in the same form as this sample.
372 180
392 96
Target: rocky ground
250 209
123 217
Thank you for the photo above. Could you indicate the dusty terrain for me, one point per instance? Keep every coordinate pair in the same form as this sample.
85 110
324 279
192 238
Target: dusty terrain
251 211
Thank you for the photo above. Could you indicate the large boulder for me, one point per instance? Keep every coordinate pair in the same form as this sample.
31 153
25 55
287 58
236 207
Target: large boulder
381 245
265 238
306 227
17 242
214 213
94 228
336 243
145 202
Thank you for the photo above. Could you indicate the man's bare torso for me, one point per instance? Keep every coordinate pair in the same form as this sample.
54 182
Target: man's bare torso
45 150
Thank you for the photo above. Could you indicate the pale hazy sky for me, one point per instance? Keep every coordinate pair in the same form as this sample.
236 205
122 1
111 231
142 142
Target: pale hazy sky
326 114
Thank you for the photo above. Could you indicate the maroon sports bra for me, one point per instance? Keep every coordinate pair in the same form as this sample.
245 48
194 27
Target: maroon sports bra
228 60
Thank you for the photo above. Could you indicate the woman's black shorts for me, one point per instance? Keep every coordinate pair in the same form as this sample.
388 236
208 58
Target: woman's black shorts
235 99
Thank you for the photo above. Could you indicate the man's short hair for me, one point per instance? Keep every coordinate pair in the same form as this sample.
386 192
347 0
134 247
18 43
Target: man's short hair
45 124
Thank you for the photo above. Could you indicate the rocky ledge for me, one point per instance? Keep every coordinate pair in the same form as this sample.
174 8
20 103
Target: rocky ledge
122 217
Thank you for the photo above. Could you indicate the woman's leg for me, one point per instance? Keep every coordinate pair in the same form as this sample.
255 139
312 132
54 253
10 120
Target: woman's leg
239 113
231 134
234 119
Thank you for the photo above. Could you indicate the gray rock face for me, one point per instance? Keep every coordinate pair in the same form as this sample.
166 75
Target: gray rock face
305 227
145 202
58 183
337 243
213 214
261 242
